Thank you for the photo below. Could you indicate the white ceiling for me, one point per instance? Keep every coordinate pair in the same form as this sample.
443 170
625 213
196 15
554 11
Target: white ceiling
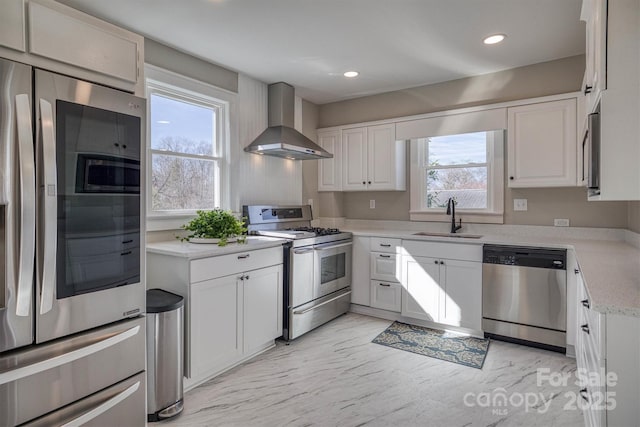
394 44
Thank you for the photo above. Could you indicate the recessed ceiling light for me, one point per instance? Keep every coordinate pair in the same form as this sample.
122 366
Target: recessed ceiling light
351 74
493 39
163 122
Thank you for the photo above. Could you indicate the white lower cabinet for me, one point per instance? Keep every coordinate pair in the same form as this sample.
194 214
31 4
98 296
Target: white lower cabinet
360 288
386 295
421 291
228 319
608 359
443 290
262 293
215 316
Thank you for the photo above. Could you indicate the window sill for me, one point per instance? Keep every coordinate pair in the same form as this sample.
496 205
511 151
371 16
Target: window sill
469 217
164 223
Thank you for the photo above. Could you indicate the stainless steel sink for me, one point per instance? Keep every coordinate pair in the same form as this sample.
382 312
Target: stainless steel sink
458 235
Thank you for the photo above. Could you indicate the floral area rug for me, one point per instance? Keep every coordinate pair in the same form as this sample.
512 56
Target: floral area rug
467 351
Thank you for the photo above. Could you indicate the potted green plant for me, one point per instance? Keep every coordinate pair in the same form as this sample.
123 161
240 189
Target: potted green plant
215 226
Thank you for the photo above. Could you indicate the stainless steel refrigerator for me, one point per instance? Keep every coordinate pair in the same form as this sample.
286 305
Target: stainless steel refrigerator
72 297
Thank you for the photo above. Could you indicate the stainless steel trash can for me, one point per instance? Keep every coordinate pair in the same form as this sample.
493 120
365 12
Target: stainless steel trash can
165 340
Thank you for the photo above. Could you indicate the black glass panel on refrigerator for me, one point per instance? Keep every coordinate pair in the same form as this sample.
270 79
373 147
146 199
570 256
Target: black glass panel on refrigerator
332 268
98 162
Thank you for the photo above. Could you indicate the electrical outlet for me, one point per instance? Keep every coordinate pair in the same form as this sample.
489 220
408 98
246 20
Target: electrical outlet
519 204
561 222
372 204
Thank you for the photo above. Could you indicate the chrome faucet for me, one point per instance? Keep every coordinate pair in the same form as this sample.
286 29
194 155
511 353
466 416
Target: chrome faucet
451 210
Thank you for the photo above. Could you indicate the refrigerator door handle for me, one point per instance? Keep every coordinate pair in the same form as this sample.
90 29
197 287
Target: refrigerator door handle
27 230
63 359
50 207
104 407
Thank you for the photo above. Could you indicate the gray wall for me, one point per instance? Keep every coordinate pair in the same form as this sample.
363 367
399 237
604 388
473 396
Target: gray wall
548 78
633 217
181 63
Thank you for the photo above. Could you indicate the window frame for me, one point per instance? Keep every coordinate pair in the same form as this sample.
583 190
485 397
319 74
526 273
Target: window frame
180 88
493 213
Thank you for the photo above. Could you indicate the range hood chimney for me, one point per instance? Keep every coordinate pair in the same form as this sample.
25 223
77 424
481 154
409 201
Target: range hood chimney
280 139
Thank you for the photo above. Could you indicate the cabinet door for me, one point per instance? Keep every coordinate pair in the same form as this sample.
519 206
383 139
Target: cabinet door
330 170
381 165
262 307
360 291
421 288
354 159
461 296
595 16
86 42
542 144
12 25
215 333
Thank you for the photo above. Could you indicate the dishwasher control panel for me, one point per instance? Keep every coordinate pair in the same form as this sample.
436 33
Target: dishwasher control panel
525 256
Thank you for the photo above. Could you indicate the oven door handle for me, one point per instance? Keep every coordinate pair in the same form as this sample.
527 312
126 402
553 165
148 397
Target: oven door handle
306 310
49 197
327 246
302 251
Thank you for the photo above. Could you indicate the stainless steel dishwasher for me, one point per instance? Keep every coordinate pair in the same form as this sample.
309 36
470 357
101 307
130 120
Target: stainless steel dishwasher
524 295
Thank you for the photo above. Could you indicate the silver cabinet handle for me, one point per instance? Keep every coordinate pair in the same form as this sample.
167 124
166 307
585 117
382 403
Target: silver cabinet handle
245 256
321 304
27 206
63 359
104 407
50 207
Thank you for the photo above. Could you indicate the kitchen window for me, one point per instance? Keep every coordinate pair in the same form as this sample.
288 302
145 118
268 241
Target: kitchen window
468 167
188 125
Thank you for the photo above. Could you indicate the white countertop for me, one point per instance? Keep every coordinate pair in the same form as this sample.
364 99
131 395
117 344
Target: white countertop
610 268
204 250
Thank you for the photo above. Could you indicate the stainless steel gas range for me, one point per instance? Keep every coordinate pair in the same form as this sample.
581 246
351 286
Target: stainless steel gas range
317 285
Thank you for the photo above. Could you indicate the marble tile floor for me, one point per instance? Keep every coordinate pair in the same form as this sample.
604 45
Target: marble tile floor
335 376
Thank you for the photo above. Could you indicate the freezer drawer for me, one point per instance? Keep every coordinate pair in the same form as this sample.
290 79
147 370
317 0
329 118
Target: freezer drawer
120 405
39 379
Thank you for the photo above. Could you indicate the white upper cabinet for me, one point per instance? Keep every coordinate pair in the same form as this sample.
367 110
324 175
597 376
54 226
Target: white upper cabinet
372 159
59 38
594 14
330 170
542 144
354 159
620 103
12 25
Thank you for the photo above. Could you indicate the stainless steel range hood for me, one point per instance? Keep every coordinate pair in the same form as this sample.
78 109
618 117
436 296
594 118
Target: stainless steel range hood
280 139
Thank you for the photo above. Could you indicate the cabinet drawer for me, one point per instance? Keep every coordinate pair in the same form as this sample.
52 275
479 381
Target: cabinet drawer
381 244
385 266
224 265
386 295
443 250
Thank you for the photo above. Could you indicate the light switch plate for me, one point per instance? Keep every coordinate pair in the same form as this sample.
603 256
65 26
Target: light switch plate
519 204
372 204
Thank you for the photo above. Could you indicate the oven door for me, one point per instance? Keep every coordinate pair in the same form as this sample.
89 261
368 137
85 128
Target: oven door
90 245
332 267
